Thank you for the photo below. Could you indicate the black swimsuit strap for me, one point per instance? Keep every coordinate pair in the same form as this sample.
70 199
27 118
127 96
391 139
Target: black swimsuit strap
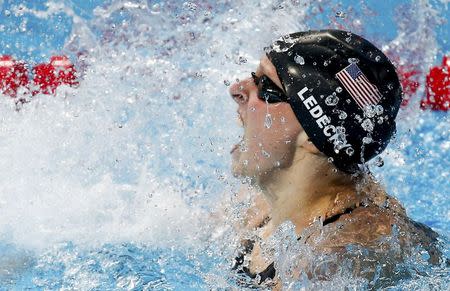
337 216
267 273
270 271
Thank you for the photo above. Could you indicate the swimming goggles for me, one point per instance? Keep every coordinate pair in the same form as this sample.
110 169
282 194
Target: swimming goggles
267 90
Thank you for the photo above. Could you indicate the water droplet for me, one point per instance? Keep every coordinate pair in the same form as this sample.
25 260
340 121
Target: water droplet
339 89
257 278
226 82
353 60
299 60
367 140
342 115
340 129
349 151
369 111
325 63
277 163
390 86
380 120
23 28
283 119
268 121
156 9
330 160
331 100
379 162
7 13
242 60
340 141
265 154
379 109
367 125
377 58
190 5
340 14
338 147
348 101
243 147
245 162
252 109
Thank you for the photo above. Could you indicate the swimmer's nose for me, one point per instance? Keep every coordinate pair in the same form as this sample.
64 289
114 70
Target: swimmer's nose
239 91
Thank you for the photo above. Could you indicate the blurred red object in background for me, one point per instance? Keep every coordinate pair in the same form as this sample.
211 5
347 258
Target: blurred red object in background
438 87
13 75
47 77
409 80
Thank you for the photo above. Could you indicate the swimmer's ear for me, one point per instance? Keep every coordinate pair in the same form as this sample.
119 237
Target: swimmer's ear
304 142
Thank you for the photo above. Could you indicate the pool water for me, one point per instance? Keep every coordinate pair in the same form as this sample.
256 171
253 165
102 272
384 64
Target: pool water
113 185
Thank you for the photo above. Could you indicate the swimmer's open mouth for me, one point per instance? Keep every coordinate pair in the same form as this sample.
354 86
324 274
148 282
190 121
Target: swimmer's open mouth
234 148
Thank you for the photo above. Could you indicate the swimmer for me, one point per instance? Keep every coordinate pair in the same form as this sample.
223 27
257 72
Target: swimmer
318 107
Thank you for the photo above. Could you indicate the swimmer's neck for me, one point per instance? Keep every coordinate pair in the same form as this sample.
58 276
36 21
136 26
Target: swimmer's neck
307 190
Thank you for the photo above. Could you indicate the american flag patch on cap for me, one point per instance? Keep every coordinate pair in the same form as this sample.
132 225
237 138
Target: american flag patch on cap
359 87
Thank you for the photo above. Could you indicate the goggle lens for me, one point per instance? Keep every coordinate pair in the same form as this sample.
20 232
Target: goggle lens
267 90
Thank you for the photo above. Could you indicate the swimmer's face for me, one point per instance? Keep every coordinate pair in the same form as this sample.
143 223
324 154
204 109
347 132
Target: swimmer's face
270 129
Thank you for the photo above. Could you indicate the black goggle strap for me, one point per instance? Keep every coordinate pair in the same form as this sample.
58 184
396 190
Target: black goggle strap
271 55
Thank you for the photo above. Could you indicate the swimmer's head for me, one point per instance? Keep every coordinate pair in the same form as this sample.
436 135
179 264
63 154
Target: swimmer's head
330 87
343 90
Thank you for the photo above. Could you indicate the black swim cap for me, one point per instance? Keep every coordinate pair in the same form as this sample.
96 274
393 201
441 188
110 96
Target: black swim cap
344 91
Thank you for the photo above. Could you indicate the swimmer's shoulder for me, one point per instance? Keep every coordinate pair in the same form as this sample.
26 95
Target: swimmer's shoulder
382 226
363 225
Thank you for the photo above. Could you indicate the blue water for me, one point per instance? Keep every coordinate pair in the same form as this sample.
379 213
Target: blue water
111 185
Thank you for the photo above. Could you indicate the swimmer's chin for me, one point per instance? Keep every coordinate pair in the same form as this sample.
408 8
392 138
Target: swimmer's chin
238 171
241 172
